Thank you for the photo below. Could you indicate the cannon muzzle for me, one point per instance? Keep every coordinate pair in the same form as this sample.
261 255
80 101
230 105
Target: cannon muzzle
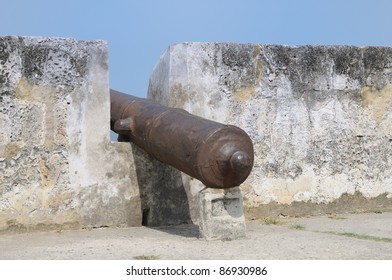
220 156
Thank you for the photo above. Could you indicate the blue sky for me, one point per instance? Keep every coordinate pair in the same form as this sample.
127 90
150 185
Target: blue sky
138 32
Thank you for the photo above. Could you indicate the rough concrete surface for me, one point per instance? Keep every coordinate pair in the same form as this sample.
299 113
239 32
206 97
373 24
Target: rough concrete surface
221 214
58 167
363 236
320 118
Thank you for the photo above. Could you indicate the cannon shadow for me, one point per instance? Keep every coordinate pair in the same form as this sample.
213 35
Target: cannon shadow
164 201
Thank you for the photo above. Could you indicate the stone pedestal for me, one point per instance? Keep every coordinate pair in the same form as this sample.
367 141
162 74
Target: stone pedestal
221 214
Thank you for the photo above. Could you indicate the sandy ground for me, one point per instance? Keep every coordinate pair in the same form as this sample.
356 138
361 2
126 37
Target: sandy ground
357 236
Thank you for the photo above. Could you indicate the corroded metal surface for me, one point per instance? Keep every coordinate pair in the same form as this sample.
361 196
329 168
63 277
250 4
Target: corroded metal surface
220 156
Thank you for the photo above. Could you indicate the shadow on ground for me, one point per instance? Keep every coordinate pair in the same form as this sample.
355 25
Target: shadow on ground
184 230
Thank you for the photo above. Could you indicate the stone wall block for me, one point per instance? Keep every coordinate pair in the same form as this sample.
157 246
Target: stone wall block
58 167
320 117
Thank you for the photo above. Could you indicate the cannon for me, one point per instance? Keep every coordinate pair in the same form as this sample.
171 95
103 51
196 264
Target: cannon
219 155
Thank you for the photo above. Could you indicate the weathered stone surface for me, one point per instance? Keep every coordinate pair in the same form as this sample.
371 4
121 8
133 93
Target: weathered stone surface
58 168
163 197
221 214
320 117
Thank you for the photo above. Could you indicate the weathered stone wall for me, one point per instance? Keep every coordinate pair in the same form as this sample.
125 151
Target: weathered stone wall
320 118
58 168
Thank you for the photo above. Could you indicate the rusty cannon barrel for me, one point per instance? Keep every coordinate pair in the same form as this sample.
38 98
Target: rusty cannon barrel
220 156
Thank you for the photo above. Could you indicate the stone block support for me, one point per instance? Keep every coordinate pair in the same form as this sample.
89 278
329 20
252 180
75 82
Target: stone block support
221 214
